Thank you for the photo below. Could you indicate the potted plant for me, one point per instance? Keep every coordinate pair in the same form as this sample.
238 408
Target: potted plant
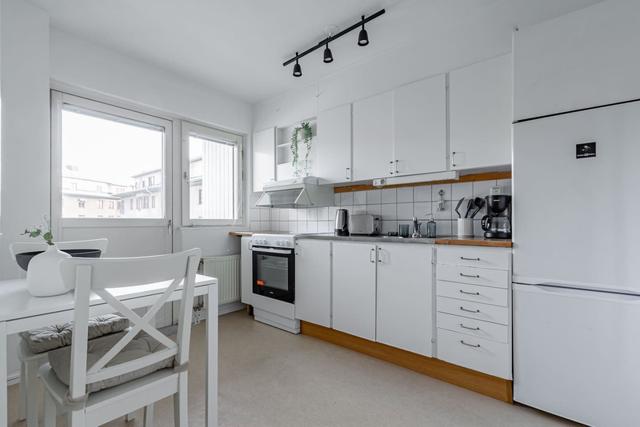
43 272
306 132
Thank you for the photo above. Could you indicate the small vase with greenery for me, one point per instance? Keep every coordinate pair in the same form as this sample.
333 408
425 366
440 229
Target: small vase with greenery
306 132
43 231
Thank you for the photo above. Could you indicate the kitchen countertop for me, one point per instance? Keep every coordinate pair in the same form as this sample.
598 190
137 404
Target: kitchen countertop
445 240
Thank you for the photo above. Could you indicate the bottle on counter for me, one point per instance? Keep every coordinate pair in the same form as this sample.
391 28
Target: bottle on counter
431 228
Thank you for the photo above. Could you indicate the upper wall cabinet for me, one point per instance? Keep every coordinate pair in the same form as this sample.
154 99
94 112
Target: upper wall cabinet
481 114
420 127
263 156
579 60
333 150
373 137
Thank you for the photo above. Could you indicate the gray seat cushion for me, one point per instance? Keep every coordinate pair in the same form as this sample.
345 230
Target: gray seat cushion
141 345
51 337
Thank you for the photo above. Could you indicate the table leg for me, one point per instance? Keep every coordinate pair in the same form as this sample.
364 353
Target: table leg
212 357
4 415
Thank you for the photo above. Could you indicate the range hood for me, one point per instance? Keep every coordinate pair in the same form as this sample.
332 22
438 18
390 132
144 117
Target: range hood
307 192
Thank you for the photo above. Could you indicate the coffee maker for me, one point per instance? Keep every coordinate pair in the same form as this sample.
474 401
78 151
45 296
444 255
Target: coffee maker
497 222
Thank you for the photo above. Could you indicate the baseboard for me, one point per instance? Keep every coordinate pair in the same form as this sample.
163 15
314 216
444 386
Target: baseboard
488 385
230 307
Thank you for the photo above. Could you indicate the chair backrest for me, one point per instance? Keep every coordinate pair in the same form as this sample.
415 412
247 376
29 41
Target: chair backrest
21 247
104 275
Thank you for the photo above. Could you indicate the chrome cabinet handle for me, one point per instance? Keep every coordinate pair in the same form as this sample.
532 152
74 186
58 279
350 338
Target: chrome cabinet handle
469 259
462 325
397 172
348 174
469 293
469 311
372 256
470 345
474 276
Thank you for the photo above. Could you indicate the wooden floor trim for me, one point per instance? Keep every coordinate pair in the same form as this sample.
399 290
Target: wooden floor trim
491 386
484 176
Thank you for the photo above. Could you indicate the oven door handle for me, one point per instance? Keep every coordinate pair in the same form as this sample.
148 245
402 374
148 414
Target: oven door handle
273 251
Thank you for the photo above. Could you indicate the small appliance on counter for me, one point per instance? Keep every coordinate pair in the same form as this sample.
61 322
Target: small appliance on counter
364 224
342 222
497 222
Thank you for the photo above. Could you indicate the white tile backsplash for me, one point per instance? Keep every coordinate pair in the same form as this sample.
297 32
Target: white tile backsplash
394 206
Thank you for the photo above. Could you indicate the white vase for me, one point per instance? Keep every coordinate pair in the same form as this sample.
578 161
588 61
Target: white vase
43 273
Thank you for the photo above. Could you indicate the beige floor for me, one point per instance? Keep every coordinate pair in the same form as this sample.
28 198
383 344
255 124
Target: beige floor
272 378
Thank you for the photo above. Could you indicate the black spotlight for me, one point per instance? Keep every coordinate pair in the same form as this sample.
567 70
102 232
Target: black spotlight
328 57
297 69
363 37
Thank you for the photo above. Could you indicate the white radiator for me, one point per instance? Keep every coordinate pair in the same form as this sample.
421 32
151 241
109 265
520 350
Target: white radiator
227 270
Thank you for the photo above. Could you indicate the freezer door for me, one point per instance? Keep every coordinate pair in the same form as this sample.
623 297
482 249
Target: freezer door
577 354
577 220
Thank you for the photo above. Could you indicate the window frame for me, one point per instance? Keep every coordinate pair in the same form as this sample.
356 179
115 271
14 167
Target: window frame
191 129
104 110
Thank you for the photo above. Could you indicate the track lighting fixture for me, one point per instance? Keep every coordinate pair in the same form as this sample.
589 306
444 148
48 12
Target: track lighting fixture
363 37
363 40
297 69
328 56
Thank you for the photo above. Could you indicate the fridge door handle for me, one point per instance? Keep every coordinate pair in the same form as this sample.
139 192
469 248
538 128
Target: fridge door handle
592 294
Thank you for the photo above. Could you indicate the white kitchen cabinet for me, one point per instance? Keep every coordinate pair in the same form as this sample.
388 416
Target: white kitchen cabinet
579 60
373 137
246 271
313 281
354 289
481 114
263 155
333 149
404 309
420 127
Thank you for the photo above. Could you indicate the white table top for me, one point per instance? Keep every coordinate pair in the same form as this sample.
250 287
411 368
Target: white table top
17 303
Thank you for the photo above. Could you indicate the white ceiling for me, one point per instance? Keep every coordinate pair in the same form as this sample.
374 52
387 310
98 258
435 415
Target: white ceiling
238 46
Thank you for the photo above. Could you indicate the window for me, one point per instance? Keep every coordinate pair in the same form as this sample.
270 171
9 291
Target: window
212 161
109 150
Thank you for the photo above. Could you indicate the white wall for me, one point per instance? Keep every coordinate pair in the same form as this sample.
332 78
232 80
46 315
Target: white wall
77 63
25 124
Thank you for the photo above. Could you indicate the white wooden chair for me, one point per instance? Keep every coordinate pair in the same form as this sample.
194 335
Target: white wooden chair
30 362
102 276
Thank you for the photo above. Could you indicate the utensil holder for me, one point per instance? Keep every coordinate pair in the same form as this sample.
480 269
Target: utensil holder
465 227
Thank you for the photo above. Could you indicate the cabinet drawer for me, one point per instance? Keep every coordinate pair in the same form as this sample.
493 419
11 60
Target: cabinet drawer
474 310
483 294
482 355
499 258
474 276
476 328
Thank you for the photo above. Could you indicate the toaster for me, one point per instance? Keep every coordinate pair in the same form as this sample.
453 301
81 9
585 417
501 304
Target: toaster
364 224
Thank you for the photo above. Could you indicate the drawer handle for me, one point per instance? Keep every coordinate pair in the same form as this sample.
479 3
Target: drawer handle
469 345
469 311
473 276
462 325
469 293
469 259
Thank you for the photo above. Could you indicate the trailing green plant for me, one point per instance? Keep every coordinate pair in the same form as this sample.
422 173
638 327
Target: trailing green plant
43 231
307 136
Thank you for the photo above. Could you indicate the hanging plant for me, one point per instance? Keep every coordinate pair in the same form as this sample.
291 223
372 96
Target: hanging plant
307 136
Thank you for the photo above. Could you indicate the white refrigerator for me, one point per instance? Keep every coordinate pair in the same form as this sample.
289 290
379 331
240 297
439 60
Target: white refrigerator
576 231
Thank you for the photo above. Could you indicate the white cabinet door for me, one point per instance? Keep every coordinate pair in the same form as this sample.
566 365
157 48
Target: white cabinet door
333 149
405 283
420 127
313 281
354 289
481 114
246 271
264 163
373 137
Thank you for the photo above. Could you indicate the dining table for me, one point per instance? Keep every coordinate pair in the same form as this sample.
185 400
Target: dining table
20 311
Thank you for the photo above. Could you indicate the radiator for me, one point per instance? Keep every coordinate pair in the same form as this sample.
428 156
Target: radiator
227 270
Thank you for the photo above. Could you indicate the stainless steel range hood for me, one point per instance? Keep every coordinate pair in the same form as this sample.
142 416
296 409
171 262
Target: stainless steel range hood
304 192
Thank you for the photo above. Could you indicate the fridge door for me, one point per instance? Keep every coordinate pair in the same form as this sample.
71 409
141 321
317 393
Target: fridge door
577 220
576 354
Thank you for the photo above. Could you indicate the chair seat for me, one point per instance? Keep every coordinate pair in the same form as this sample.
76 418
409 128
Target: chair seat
42 340
141 345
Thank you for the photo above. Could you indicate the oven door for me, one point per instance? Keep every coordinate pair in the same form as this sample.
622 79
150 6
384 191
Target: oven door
273 273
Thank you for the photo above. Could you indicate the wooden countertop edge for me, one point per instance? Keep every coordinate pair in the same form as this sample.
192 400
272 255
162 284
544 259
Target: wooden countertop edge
474 242
241 233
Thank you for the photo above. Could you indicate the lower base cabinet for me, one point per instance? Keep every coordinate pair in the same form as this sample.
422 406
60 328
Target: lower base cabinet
246 269
313 281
